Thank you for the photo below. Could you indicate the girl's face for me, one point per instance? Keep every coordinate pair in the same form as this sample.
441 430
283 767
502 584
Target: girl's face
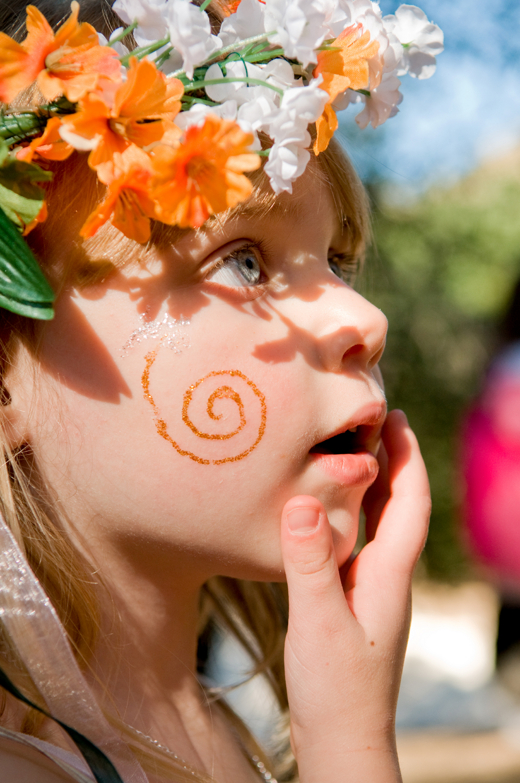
184 402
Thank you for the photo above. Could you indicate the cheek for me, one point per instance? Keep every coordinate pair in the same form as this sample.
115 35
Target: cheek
215 419
195 437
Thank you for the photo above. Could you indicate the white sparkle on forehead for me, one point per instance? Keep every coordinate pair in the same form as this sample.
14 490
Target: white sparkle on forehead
171 332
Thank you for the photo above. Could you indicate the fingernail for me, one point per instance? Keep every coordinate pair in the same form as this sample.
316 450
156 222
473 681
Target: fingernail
403 415
303 520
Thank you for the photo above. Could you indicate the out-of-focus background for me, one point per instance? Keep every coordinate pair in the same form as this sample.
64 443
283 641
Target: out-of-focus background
444 179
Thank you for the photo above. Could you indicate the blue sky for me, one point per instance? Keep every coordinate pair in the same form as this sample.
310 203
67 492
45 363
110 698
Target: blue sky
470 108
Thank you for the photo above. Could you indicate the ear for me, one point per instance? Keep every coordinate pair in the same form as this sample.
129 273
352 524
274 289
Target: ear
15 395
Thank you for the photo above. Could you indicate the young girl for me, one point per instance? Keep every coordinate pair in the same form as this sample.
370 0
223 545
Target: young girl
203 418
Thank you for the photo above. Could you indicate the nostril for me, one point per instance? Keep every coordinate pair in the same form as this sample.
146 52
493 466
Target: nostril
354 350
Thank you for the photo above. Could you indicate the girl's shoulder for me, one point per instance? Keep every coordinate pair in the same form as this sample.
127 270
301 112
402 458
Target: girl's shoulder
22 762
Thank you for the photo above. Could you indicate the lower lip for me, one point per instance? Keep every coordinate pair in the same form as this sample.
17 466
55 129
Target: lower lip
354 470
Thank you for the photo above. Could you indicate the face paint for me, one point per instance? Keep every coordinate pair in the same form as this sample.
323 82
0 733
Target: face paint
171 332
220 393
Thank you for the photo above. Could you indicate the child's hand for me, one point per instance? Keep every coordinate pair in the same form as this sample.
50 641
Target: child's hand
347 632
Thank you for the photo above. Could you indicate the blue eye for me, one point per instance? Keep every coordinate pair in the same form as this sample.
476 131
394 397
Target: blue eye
238 269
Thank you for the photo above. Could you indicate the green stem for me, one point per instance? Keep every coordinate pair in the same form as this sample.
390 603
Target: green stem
227 50
209 82
364 92
142 51
239 44
159 61
256 58
327 48
204 5
126 31
200 100
19 126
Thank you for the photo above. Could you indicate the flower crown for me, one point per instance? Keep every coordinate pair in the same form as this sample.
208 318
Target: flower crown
171 126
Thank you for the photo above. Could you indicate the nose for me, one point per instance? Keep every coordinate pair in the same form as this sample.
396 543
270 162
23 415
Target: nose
349 331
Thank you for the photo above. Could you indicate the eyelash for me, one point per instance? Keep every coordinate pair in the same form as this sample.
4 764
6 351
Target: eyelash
342 264
260 251
347 267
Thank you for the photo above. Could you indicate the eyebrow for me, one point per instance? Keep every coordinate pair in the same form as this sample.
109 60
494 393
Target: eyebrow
272 206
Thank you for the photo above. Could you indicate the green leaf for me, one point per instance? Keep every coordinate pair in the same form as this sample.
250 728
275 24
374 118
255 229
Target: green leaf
19 209
23 286
20 197
4 151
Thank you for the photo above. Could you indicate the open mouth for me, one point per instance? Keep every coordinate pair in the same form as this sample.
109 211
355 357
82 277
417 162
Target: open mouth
348 442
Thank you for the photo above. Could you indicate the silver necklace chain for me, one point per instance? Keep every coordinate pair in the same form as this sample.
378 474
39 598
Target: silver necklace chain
262 770
256 760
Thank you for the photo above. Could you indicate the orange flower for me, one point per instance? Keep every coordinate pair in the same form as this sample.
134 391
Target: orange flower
326 127
69 62
203 175
352 62
49 145
127 203
227 7
146 95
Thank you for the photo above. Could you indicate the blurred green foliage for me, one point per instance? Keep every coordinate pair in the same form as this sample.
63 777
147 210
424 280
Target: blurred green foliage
443 269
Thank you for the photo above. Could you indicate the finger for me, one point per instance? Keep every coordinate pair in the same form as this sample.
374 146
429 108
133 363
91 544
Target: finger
377 495
315 591
403 523
382 572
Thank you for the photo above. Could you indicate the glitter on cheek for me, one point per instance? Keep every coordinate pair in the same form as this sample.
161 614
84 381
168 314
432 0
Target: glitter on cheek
169 331
222 392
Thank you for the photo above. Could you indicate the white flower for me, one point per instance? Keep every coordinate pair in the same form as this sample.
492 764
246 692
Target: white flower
393 56
337 14
277 73
299 27
345 99
199 111
286 163
421 40
151 16
304 104
118 47
287 127
382 103
256 115
358 9
228 90
173 63
190 33
246 22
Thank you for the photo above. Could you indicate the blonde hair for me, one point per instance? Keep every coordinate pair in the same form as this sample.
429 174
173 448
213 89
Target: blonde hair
255 614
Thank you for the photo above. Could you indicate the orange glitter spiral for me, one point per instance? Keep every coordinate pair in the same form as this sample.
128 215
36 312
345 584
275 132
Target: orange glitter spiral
222 392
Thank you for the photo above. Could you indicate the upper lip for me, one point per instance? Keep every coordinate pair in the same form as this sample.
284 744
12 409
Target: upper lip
369 420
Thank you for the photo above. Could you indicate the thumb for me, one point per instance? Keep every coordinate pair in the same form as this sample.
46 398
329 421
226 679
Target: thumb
316 596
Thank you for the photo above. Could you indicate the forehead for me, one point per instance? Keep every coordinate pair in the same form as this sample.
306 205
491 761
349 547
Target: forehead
309 205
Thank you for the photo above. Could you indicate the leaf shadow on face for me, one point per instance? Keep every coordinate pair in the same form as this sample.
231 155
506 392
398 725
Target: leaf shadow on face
161 278
333 351
163 290
75 355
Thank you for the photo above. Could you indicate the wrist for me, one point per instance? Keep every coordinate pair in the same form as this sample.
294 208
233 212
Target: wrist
344 763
